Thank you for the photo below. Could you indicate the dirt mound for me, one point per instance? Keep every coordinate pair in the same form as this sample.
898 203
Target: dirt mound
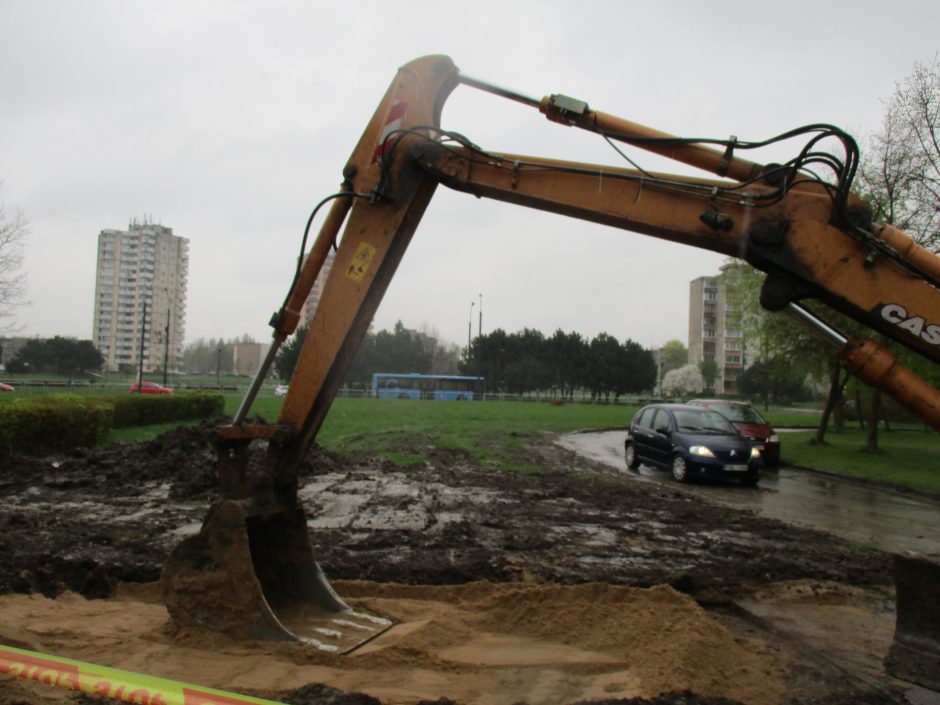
569 546
494 644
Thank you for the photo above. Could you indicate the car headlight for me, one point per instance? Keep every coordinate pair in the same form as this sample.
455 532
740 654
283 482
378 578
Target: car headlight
701 451
755 454
774 438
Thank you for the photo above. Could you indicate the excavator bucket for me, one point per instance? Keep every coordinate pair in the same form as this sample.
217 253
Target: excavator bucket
250 571
915 652
257 578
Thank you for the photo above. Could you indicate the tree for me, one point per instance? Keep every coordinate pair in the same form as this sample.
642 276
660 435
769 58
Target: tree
528 368
776 378
781 339
639 368
683 380
204 356
363 364
567 360
63 356
489 357
402 350
673 355
900 172
709 371
13 234
446 359
615 369
526 361
73 357
741 284
33 356
516 363
604 366
287 356
444 356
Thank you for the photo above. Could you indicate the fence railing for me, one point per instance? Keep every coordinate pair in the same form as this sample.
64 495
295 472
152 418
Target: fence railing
580 397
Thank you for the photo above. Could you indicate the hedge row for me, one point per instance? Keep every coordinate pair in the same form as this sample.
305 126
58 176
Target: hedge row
59 422
146 409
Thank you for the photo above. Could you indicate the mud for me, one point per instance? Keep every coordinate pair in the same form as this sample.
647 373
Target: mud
85 524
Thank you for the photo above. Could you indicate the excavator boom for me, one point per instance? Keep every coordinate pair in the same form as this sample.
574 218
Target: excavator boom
251 569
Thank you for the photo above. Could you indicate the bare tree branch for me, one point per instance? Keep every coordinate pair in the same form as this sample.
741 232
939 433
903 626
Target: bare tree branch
900 174
13 234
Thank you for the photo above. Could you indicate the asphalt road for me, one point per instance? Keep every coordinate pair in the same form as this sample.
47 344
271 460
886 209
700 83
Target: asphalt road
865 514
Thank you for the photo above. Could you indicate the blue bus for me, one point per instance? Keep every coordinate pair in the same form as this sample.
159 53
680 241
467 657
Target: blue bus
387 385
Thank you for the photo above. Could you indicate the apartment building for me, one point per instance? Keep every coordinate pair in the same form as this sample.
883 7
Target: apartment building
140 297
714 333
247 357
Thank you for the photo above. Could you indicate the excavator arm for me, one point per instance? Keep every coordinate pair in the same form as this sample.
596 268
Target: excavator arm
812 237
812 241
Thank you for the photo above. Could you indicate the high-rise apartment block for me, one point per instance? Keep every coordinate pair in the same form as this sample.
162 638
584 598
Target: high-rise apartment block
140 297
714 333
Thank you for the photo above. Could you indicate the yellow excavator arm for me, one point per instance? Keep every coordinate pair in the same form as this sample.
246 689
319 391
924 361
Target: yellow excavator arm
812 236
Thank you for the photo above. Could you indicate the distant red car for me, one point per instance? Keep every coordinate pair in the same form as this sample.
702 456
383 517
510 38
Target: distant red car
5 387
750 424
150 388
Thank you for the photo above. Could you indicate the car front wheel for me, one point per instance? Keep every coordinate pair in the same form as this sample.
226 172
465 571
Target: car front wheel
680 469
629 453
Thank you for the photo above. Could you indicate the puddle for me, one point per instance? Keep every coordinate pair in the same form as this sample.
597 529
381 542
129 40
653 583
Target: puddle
865 515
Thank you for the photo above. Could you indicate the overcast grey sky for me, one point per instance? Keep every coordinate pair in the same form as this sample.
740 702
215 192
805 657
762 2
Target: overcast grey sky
228 121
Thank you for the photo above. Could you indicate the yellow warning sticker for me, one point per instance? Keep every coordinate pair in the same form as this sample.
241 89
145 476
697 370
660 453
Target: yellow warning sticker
361 261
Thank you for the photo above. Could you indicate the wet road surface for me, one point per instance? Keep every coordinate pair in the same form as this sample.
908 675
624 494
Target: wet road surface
881 518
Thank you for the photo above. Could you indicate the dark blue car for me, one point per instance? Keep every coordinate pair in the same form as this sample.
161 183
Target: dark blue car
691 442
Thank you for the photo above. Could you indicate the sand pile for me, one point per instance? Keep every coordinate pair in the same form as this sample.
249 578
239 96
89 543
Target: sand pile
485 643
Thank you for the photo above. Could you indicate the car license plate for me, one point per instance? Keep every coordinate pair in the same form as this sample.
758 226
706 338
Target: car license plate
759 446
735 468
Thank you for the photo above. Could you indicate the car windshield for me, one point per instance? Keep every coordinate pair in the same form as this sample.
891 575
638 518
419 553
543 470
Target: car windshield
742 413
703 421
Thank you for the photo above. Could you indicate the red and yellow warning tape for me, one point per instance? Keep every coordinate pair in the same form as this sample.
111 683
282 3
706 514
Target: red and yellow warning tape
113 683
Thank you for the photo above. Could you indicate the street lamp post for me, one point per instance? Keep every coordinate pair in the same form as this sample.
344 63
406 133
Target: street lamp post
660 362
166 338
470 328
480 327
140 367
218 367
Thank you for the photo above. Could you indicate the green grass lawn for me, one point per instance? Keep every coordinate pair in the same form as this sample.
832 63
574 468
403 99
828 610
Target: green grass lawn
496 434
906 458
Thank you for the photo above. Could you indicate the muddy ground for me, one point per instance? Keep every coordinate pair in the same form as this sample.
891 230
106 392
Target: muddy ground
93 520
